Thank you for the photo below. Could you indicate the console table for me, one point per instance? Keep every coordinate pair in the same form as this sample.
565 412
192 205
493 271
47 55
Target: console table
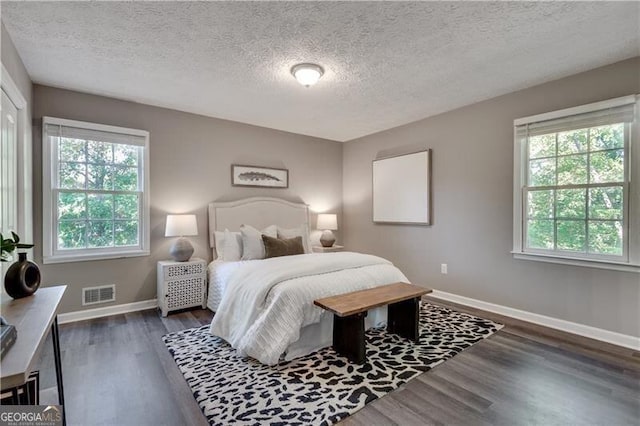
33 317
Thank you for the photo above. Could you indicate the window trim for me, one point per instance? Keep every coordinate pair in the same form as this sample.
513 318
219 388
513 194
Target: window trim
49 253
24 165
631 260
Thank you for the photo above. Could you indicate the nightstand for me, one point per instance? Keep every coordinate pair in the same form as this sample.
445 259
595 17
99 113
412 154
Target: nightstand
181 284
332 249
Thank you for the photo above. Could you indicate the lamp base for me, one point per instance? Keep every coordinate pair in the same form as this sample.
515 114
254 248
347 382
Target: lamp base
327 239
181 250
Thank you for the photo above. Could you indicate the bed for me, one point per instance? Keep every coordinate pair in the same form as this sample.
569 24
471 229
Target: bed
264 307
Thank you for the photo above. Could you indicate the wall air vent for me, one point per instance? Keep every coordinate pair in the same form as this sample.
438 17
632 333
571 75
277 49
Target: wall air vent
101 294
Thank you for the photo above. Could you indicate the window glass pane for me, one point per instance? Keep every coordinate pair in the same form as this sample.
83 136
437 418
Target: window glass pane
605 237
607 137
607 166
571 235
99 152
540 204
71 150
572 170
71 234
125 155
126 233
100 206
72 175
71 205
540 234
100 177
542 172
100 233
572 142
571 203
605 203
126 206
126 179
542 146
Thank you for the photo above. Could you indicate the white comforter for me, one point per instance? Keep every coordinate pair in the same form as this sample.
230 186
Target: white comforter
267 302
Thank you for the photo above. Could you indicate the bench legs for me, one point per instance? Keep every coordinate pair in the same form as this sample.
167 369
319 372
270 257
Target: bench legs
348 337
403 318
348 332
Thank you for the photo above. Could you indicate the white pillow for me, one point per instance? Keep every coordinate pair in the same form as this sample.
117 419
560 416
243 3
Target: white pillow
219 241
302 231
252 245
232 250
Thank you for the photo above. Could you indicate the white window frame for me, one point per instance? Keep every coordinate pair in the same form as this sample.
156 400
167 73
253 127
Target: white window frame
49 208
630 261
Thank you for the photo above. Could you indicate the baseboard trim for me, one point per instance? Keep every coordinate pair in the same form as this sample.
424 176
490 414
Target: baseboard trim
612 337
106 311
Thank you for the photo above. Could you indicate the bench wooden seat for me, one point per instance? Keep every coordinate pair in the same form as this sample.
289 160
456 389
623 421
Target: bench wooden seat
350 309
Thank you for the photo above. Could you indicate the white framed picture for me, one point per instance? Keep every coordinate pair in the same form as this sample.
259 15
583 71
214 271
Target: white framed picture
256 176
402 189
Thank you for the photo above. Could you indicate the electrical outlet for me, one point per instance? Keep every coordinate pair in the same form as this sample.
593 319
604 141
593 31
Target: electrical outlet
443 268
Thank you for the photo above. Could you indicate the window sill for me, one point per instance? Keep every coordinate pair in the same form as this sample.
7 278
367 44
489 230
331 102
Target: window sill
592 263
77 257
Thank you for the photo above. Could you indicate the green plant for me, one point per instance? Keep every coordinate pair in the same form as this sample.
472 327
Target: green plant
9 245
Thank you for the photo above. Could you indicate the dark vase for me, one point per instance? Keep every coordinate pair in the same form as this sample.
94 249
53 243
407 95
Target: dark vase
22 278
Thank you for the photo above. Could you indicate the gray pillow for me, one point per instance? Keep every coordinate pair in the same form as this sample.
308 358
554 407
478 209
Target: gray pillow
252 246
302 231
276 247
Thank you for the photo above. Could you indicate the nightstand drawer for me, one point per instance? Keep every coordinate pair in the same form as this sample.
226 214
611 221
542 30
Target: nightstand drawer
182 270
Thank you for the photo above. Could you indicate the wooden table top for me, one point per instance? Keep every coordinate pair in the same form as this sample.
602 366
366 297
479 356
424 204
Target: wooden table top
32 317
359 301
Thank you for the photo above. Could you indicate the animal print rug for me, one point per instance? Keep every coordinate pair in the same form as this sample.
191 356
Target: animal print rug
321 388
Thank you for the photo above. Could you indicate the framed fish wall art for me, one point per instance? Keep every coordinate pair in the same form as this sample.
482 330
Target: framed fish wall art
256 176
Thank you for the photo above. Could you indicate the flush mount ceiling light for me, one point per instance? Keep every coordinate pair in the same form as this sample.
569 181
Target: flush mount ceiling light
307 74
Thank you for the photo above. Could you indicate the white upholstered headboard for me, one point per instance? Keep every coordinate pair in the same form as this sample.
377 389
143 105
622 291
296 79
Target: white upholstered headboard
258 212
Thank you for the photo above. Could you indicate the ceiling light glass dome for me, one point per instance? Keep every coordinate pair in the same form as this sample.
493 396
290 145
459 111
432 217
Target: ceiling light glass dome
307 74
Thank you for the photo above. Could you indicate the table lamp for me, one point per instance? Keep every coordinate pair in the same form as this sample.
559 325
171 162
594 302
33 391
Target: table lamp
181 225
327 223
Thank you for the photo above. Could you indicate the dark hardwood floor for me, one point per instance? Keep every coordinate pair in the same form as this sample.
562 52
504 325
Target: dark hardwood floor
117 371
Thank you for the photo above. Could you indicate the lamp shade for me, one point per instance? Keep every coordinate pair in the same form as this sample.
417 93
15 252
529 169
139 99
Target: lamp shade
328 221
181 225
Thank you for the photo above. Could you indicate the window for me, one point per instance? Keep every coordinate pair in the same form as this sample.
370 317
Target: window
95 191
574 194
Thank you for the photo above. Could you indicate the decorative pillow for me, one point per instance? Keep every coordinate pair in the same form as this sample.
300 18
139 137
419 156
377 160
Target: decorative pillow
302 231
276 247
252 245
232 246
219 241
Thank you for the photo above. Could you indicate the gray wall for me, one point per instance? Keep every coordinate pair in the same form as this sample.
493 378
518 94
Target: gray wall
472 208
191 159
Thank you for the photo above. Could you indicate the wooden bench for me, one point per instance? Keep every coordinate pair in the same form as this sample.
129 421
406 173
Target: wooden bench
350 309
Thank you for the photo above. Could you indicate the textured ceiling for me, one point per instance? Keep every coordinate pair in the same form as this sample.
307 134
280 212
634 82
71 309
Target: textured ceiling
386 63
